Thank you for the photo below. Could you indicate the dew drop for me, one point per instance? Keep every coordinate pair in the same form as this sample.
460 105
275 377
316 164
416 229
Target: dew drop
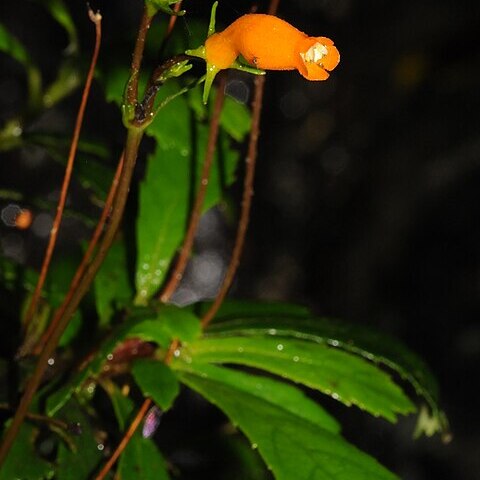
240 349
110 356
176 353
272 331
279 347
101 446
296 358
254 446
334 343
51 361
335 396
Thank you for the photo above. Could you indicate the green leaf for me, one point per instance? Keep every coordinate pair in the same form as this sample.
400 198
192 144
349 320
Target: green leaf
292 447
170 322
235 119
69 78
59 12
112 284
91 173
157 381
372 345
281 395
11 46
165 193
23 461
141 459
85 458
347 378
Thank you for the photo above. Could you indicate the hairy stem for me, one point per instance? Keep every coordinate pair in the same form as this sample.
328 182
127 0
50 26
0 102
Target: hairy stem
132 88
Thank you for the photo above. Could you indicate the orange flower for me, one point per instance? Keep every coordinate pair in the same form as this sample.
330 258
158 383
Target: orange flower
267 42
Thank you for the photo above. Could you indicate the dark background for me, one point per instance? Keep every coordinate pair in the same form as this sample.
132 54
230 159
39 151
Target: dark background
367 194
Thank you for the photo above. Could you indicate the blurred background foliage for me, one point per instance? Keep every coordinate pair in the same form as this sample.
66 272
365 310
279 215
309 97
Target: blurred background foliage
366 204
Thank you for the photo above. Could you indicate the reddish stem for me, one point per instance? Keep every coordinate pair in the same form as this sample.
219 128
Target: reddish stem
247 192
126 438
246 202
132 88
35 380
85 261
186 249
96 19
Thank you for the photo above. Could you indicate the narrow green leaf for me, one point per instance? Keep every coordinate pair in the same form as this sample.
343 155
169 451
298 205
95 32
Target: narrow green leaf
165 193
235 119
279 394
23 461
60 13
372 345
11 46
347 378
157 381
69 77
292 447
141 459
91 173
82 462
112 284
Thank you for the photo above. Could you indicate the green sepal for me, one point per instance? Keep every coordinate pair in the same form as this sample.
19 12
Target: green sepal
212 70
211 25
247 68
176 70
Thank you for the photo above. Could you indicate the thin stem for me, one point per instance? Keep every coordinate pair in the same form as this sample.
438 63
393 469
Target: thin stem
246 202
186 249
96 18
35 417
171 26
247 191
135 422
133 140
85 261
125 440
131 150
273 7
132 88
